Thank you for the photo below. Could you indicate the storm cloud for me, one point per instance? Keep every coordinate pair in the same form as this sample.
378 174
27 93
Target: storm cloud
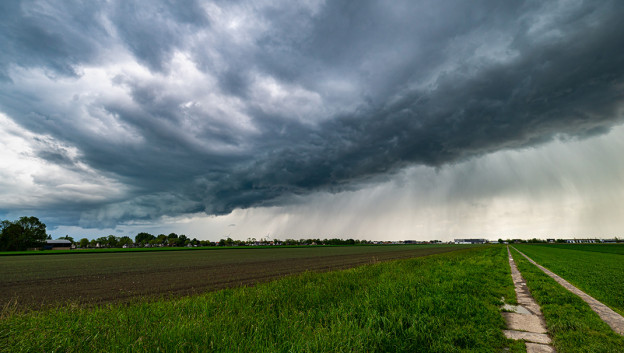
215 106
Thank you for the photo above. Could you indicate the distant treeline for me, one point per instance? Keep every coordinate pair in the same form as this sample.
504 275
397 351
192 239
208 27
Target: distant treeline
30 233
172 239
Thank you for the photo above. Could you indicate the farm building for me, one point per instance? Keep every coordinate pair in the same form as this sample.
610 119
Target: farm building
572 241
60 244
470 241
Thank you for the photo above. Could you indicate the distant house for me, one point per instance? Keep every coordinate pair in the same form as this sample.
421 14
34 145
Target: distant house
60 244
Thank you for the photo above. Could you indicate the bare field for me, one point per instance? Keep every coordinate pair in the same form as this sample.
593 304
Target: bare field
38 281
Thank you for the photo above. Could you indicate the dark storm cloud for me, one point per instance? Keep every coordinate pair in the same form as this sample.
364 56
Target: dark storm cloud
570 86
55 36
152 29
290 99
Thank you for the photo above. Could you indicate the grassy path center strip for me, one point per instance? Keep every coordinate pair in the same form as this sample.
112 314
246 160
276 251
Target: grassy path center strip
613 319
526 322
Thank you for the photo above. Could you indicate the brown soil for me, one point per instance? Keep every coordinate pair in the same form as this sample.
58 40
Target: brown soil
155 282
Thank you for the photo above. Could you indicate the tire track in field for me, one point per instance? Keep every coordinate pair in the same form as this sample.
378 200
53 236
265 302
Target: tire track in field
526 321
613 319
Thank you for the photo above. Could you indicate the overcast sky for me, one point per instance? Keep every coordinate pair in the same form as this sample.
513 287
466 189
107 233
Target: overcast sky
365 119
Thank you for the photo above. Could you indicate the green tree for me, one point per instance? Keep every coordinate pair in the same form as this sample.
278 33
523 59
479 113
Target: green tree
103 241
161 239
143 238
24 233
125 240
172 239
112 241
182 240
84 242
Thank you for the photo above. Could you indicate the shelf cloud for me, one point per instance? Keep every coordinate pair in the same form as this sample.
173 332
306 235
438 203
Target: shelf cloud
122 111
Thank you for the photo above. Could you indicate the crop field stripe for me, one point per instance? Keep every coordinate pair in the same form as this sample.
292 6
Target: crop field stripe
573 325
439 303
598 274
211 248
201 248
613 319
33 282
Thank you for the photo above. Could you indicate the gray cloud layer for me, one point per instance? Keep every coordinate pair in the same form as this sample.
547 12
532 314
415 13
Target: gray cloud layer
222 105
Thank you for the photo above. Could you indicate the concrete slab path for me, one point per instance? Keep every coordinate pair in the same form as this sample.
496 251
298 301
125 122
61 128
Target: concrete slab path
526 322
613 319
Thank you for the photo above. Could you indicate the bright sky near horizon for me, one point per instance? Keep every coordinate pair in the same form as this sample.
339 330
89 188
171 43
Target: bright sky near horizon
366 119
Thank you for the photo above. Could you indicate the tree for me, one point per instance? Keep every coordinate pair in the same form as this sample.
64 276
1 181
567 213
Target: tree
125 240
84 242
143 238
161 239
112 241
172 239
103 241
24 233
182 240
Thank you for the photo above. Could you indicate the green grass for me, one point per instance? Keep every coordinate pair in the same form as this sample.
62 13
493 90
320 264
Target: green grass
599 274
603 248
439 303
571 322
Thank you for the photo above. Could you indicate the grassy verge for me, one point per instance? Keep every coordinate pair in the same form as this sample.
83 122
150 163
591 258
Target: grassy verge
439 303
599 274
572 324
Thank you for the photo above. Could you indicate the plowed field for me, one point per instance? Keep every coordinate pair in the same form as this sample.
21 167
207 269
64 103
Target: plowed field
37 281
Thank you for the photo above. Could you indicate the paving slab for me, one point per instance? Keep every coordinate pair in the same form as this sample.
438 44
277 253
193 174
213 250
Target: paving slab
539 348
522 322
528 336
516 309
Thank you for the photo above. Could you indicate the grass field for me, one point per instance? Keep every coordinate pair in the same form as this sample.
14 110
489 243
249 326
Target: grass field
598 273
32 282
603 248
439 303
573 325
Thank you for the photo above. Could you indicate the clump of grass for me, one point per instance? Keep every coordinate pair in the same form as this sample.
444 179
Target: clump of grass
571 322
440 303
